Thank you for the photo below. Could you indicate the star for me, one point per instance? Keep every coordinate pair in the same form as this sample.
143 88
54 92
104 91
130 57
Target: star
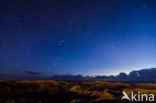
17 65
61 42
54 64
113 47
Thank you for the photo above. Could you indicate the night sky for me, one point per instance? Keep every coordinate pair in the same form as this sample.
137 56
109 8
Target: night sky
88 37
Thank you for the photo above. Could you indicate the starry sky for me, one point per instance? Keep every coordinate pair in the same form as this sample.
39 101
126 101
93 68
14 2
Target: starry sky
88 37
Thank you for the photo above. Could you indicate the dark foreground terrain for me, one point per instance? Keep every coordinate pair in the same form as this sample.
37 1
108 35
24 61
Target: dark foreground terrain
67 92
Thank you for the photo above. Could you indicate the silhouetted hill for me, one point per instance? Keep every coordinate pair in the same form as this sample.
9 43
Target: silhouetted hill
143 75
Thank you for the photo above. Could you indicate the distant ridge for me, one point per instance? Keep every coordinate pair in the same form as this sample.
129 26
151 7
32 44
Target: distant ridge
143 75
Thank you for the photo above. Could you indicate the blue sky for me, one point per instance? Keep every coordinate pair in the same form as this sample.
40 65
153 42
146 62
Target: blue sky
85 37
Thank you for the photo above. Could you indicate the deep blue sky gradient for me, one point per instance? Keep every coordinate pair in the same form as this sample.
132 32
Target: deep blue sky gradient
88 37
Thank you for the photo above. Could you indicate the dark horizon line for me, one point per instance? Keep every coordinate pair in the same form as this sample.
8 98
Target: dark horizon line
140 75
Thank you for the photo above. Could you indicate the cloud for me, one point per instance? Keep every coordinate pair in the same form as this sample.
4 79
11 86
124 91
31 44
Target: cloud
32 73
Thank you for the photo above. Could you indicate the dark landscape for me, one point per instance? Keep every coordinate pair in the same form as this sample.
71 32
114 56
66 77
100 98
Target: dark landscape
67 92
76 88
